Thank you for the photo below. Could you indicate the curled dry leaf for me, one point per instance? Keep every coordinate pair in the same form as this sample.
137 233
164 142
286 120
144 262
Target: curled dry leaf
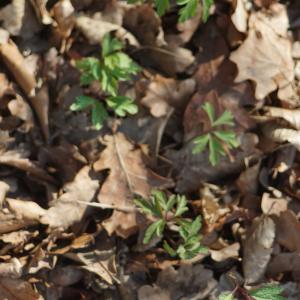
231 251
265 55
258 249
288 230
240 16
129 176
292 116
95 29
164 93
16 289
18 159
273 206
281 135
67 210
188 281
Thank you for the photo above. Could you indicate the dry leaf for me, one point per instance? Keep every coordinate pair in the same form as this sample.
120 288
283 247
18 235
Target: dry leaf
41 11
292 116
265 56
16 289
66 211
288 230
12 269
240 16
164 93
258 249
25 210
273 206
128 177
231 251
95 29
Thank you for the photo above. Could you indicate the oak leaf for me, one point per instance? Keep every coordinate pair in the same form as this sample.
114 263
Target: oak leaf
129 176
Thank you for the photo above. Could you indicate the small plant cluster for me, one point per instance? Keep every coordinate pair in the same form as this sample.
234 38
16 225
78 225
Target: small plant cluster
266 292
188 8
217 140
167 212
113 66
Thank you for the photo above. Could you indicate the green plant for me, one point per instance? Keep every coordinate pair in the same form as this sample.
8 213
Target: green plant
265 292
217 140
113 66
167 212
188 8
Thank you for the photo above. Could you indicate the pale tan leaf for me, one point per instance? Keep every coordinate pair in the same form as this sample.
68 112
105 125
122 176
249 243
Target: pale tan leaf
273 206
240 16
66 211
12 269
128 177
258 249
95 29
164 93
231 251
265 56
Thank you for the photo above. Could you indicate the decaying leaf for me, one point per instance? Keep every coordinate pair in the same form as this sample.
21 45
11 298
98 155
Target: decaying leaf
273 206
164 93
128 177
68 208
258 249
265 56
16 289
288 230
240 16
231 251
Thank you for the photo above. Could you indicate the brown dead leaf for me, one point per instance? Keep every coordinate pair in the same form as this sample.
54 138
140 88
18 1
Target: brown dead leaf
66 211
164 93
144 23
231 251
18 158
258 249
265 56
16 289
41 11
188 281
95 29
128 177
288 230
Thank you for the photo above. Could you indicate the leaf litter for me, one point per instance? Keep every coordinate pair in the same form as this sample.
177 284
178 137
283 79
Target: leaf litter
69 225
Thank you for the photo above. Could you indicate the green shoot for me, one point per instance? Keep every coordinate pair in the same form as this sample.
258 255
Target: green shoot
187 10
218 140
113 66
168 211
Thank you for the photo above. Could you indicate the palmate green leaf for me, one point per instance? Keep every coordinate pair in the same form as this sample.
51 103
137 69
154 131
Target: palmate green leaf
145 206
215 150
267 292
226 296
169 249
188 10
210 110
122 105
225 119
161 198
181 206
90 68
228 137
82 102
162 6
110 45
200 143
155 228
171 202
99 115
206 4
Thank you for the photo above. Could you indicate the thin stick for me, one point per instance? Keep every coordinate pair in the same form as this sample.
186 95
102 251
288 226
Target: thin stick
108 206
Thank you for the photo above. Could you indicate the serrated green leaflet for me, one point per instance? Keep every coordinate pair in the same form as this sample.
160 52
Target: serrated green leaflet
206 4
122 105
188 10
267 292
155 228
217 140
162 6
226 296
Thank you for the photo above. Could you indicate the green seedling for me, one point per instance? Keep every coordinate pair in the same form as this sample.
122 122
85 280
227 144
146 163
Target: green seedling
113 67
167 212
265 292
188 8
217 140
